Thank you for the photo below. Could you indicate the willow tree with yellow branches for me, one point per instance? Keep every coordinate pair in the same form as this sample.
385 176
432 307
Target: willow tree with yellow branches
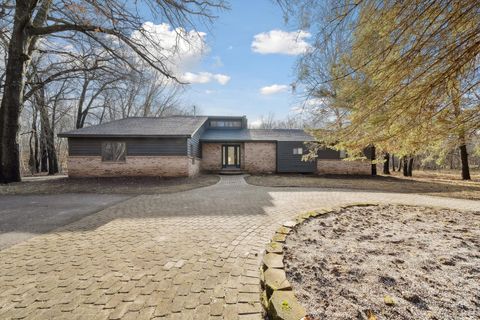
411 75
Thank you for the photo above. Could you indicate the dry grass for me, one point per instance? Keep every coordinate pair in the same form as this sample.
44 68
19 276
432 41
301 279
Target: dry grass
402 262
443 184
137 185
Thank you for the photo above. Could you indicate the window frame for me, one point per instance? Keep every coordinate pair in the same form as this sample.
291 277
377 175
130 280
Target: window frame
104 143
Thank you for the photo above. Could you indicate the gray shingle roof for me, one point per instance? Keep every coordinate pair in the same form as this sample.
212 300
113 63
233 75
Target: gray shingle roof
256 135
141 127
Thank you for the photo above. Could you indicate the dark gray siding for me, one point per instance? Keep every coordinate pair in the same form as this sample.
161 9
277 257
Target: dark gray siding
289 162
157 147
328 154
84 147
135 146
194 142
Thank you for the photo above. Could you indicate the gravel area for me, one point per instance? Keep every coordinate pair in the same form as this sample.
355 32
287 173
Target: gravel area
387 262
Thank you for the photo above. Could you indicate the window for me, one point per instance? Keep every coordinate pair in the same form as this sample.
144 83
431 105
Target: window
217 123
297 150
233 124
229 124
343 154
114 151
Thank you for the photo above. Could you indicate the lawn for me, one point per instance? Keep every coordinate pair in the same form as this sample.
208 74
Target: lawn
444 184
126 185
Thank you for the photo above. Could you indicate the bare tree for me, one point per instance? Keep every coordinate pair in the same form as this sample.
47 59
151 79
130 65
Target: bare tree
100 21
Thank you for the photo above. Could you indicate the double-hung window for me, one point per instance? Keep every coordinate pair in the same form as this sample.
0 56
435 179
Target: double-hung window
113 151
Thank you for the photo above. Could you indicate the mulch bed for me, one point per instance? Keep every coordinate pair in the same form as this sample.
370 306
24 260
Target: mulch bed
387 262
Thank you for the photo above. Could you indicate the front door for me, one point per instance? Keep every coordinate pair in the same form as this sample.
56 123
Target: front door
230 156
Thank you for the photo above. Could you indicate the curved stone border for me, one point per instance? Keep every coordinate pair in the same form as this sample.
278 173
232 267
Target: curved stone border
277 296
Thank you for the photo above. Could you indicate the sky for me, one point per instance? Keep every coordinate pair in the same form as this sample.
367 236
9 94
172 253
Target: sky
246 64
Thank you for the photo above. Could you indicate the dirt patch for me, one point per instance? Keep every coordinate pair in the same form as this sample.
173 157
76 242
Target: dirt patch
387 262
120 185
393 183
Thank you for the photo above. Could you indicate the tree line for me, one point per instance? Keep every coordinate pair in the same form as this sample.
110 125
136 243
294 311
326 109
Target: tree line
402 76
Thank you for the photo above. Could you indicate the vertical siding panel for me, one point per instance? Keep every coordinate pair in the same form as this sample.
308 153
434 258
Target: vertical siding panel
195 142
289 162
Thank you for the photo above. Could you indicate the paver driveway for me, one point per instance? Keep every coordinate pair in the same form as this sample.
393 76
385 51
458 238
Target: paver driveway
191 254
24 216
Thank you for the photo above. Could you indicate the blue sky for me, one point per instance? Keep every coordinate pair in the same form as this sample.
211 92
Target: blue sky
230 41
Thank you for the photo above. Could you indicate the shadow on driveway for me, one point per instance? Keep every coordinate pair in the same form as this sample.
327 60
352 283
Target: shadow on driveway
24 216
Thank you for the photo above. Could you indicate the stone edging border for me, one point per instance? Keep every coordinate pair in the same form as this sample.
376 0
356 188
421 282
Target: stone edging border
277 297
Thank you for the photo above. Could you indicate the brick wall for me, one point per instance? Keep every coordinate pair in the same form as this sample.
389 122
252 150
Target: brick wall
343 167
211 156
260 157
158 166
194 166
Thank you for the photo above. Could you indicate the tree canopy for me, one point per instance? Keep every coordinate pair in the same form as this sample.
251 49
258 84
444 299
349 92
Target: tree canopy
405 74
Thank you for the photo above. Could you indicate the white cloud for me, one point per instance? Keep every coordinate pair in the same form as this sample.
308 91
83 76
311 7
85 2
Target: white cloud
310 105
209 91
217 62
282 42
179 49
205 77
256 124
274 88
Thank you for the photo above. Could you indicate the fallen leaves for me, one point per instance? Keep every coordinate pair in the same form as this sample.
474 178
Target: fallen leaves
389 300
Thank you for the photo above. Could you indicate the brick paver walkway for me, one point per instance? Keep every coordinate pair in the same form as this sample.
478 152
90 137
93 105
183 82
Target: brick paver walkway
188 255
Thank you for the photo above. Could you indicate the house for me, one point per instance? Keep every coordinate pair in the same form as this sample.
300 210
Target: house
185 145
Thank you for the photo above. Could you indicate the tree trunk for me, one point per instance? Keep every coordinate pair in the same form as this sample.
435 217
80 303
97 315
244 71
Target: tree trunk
373 158
31 160
52 139
12 99
81 101
386 164
393 163
464 159
50 156
410 166
405 166
43 151
35 141
20 48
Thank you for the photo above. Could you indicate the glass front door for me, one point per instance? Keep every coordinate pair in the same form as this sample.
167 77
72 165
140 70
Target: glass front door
230 156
